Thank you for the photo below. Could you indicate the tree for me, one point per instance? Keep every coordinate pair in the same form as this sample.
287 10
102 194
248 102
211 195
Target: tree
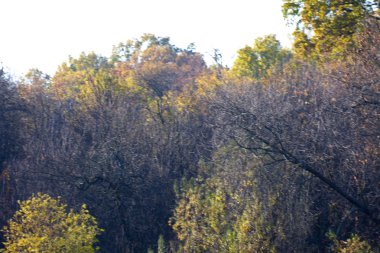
313 134
85 79
12 109
111 135
257 61
161 244
233 207
322 122
36 77
156 65
43 225
327 26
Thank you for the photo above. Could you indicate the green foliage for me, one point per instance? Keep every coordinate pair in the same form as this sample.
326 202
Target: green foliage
87 79
260 60
161 244
221 213
37 78
206 221
43 225
326 26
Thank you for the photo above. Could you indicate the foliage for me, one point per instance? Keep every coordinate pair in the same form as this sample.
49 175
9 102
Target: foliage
292 125
327 26
114 140
43 225
354 244
223 213
270 155
156 65
260 60
87 79
161 248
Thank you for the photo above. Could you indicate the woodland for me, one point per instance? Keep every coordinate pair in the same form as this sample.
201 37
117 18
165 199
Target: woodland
153 150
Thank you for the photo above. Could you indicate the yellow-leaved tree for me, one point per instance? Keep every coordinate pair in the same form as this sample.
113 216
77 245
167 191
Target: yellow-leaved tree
43 224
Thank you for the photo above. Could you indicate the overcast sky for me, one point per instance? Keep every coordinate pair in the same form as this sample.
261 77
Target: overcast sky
43 33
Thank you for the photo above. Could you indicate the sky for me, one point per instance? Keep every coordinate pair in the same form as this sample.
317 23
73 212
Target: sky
44 33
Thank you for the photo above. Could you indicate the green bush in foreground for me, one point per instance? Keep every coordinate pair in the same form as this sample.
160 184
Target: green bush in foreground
43 225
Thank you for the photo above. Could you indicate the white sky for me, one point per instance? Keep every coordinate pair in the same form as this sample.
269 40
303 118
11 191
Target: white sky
43 33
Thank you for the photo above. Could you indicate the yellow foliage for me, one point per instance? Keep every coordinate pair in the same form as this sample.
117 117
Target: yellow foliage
355 244
43 225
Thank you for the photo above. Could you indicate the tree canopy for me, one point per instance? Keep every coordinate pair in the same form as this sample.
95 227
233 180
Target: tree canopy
258 61
327 26
279 153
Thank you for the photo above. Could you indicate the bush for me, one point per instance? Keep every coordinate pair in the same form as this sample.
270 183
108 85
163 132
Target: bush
354 244
43 225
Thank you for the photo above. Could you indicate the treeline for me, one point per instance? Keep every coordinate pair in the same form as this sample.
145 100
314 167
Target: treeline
280 153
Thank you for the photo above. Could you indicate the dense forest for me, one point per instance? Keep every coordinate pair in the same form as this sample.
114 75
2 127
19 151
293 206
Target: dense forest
278 153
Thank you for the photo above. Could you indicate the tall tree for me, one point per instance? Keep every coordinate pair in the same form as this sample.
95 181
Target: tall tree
12 109
327 26
110 134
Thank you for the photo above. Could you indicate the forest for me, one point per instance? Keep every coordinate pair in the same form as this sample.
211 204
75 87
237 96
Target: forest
153 150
